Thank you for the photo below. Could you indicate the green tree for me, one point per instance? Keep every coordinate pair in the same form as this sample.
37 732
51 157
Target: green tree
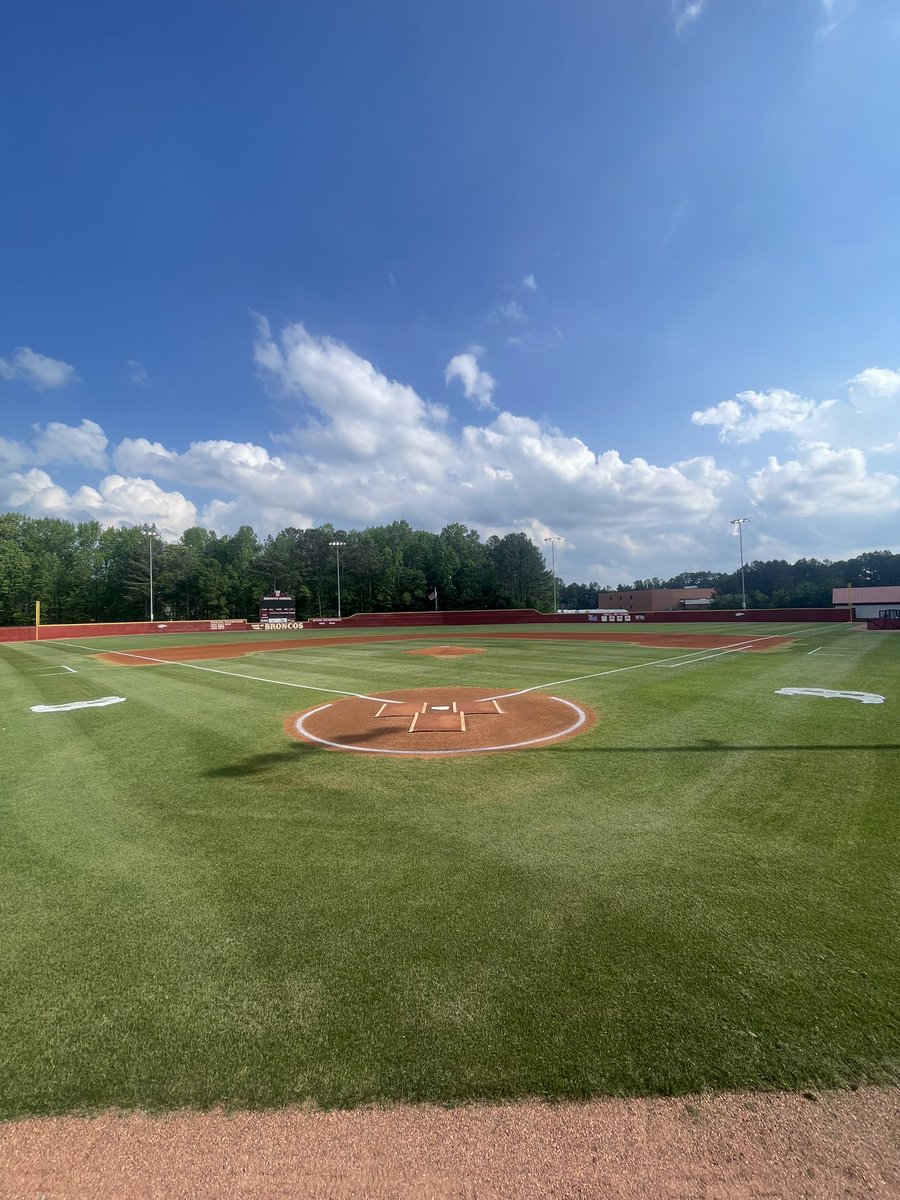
523 580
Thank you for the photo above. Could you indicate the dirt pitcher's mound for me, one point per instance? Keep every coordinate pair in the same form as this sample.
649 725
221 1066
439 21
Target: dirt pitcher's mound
445 651
441 721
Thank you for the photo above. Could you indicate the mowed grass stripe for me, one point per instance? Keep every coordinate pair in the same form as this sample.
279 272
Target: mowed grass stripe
686 896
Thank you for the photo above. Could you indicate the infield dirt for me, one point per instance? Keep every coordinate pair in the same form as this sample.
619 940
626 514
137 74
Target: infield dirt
661 641
733 1146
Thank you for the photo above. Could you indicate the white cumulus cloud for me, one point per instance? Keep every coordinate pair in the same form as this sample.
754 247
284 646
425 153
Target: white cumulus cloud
115 501
56 442
59 443
37 370
367 450
877 381
825 482
354 414
751 414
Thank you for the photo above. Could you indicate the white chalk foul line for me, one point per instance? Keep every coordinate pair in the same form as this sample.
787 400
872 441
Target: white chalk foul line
694 657
712 654
167 662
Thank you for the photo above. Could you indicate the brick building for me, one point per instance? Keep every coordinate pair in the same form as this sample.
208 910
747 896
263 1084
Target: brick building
657 599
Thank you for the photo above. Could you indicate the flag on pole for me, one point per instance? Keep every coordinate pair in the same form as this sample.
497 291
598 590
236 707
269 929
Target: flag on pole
432 595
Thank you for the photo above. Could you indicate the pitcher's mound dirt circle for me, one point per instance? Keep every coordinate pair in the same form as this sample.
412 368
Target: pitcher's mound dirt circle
440 722
445 651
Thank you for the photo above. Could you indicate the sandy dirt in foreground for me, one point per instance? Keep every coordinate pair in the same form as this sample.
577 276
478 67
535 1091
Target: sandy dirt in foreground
735 1146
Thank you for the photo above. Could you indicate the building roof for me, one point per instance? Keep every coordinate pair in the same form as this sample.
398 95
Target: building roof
867 595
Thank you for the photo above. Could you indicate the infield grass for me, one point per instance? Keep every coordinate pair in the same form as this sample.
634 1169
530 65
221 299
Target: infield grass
700 892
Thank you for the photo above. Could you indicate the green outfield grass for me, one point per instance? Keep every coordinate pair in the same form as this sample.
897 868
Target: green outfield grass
700 892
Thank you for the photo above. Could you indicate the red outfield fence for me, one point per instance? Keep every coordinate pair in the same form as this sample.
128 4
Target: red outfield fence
26 633
530 616
495 616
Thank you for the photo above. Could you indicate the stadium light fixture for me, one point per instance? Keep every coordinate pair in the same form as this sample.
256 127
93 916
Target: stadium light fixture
741 522
553 541
337 551
150 536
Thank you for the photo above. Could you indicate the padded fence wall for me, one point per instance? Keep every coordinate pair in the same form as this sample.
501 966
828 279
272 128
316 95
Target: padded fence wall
517 616
497 616
753 614
25 633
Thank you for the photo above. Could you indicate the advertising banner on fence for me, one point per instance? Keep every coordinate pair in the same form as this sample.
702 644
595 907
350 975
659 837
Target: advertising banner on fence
277 626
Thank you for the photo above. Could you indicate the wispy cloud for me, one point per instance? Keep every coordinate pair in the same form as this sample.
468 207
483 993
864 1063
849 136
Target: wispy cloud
511 311
37 370
137 372
675 219
530 283
833 13
686 12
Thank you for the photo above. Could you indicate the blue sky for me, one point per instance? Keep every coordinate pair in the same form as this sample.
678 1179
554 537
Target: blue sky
614 271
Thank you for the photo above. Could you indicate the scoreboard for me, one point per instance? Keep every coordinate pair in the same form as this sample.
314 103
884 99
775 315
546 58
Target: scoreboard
277 609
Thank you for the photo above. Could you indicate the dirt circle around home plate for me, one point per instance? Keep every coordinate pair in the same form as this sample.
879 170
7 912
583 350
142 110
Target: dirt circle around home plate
441 722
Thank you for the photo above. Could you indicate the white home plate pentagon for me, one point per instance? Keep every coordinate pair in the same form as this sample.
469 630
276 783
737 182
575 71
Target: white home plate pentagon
440 722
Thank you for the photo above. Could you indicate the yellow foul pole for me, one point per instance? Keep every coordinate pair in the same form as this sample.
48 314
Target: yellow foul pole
37 619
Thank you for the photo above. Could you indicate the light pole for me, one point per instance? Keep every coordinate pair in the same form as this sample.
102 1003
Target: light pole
337 551
741 522
553 541
150 536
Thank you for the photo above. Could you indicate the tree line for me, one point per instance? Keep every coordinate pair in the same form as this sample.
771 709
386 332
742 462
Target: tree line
83 572
776 583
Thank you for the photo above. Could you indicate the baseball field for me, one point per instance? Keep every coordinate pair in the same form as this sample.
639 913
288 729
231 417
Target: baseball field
245 880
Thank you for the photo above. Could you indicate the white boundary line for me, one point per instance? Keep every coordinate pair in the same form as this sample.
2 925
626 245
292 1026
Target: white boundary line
690 657
168 662
550 737
103 702
695 656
